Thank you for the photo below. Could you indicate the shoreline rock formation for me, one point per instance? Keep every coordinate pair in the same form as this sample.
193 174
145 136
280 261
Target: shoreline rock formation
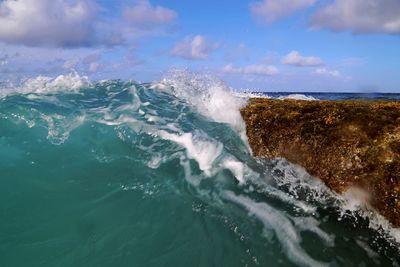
344 143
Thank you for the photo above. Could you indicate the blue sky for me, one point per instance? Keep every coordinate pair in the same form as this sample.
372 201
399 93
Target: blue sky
269 45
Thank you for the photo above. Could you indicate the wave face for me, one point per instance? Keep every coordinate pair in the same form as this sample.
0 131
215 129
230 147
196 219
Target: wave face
118 173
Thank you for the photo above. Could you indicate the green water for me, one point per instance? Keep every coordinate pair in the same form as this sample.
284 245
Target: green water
125 174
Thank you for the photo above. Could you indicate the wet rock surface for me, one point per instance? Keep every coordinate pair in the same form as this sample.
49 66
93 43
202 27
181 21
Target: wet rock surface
344 143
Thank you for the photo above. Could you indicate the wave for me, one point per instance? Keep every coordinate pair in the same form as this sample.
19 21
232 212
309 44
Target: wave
71 82
191 125
247 95
298 97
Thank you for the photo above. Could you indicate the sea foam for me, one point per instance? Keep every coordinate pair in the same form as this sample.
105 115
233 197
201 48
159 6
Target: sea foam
71 82
209 95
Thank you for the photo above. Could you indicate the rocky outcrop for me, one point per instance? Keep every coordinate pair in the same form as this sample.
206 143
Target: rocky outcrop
344 143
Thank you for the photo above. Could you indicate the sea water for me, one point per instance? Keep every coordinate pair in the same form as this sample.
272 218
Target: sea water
120 173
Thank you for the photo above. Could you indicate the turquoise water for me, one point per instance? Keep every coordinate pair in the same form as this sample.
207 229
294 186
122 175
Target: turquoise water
118 173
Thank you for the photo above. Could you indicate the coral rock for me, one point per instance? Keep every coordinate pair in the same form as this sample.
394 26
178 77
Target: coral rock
344 143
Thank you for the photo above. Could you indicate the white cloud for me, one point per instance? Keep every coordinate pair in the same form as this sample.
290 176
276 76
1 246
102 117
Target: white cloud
272 10
86 63
142 20
255 69
78 23
195 48
144 14
47 22
294 58
327 72
359 16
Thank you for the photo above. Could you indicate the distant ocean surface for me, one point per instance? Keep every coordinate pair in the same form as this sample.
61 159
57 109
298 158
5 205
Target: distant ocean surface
118 173
328 96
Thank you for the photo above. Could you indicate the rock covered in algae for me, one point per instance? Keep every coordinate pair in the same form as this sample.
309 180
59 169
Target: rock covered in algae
344 143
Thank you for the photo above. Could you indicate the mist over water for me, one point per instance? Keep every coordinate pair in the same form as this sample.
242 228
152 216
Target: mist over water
117 173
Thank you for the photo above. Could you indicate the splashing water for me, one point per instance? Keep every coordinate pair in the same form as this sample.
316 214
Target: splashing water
118 173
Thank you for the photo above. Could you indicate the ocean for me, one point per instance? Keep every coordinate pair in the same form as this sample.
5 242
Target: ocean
121 173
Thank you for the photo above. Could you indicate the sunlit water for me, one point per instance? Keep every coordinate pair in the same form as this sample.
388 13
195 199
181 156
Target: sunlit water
118 173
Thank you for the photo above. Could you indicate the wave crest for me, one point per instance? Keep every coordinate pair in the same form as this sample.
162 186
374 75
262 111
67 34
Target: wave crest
71 82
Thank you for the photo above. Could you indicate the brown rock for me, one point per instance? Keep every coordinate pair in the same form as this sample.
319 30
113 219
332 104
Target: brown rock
344 143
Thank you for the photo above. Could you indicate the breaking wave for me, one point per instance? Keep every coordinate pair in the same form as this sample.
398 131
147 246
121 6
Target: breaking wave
173 156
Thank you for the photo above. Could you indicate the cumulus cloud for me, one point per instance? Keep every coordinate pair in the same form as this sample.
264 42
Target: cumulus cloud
77 23
327 72
294 58
47 22
272 10
193 48
359 16
256 69
143 20
144 14
88 63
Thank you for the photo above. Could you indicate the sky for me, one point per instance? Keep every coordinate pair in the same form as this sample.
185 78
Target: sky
262 45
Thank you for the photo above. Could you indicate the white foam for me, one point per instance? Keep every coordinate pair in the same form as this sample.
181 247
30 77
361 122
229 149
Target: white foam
371 254
355 199
155 161
312 225
203 151
237 169
351 203
209 95
60 127
208 154
192 179
248 94
298 97
265 187
20 118
71 82
281 225
355 202
296 179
